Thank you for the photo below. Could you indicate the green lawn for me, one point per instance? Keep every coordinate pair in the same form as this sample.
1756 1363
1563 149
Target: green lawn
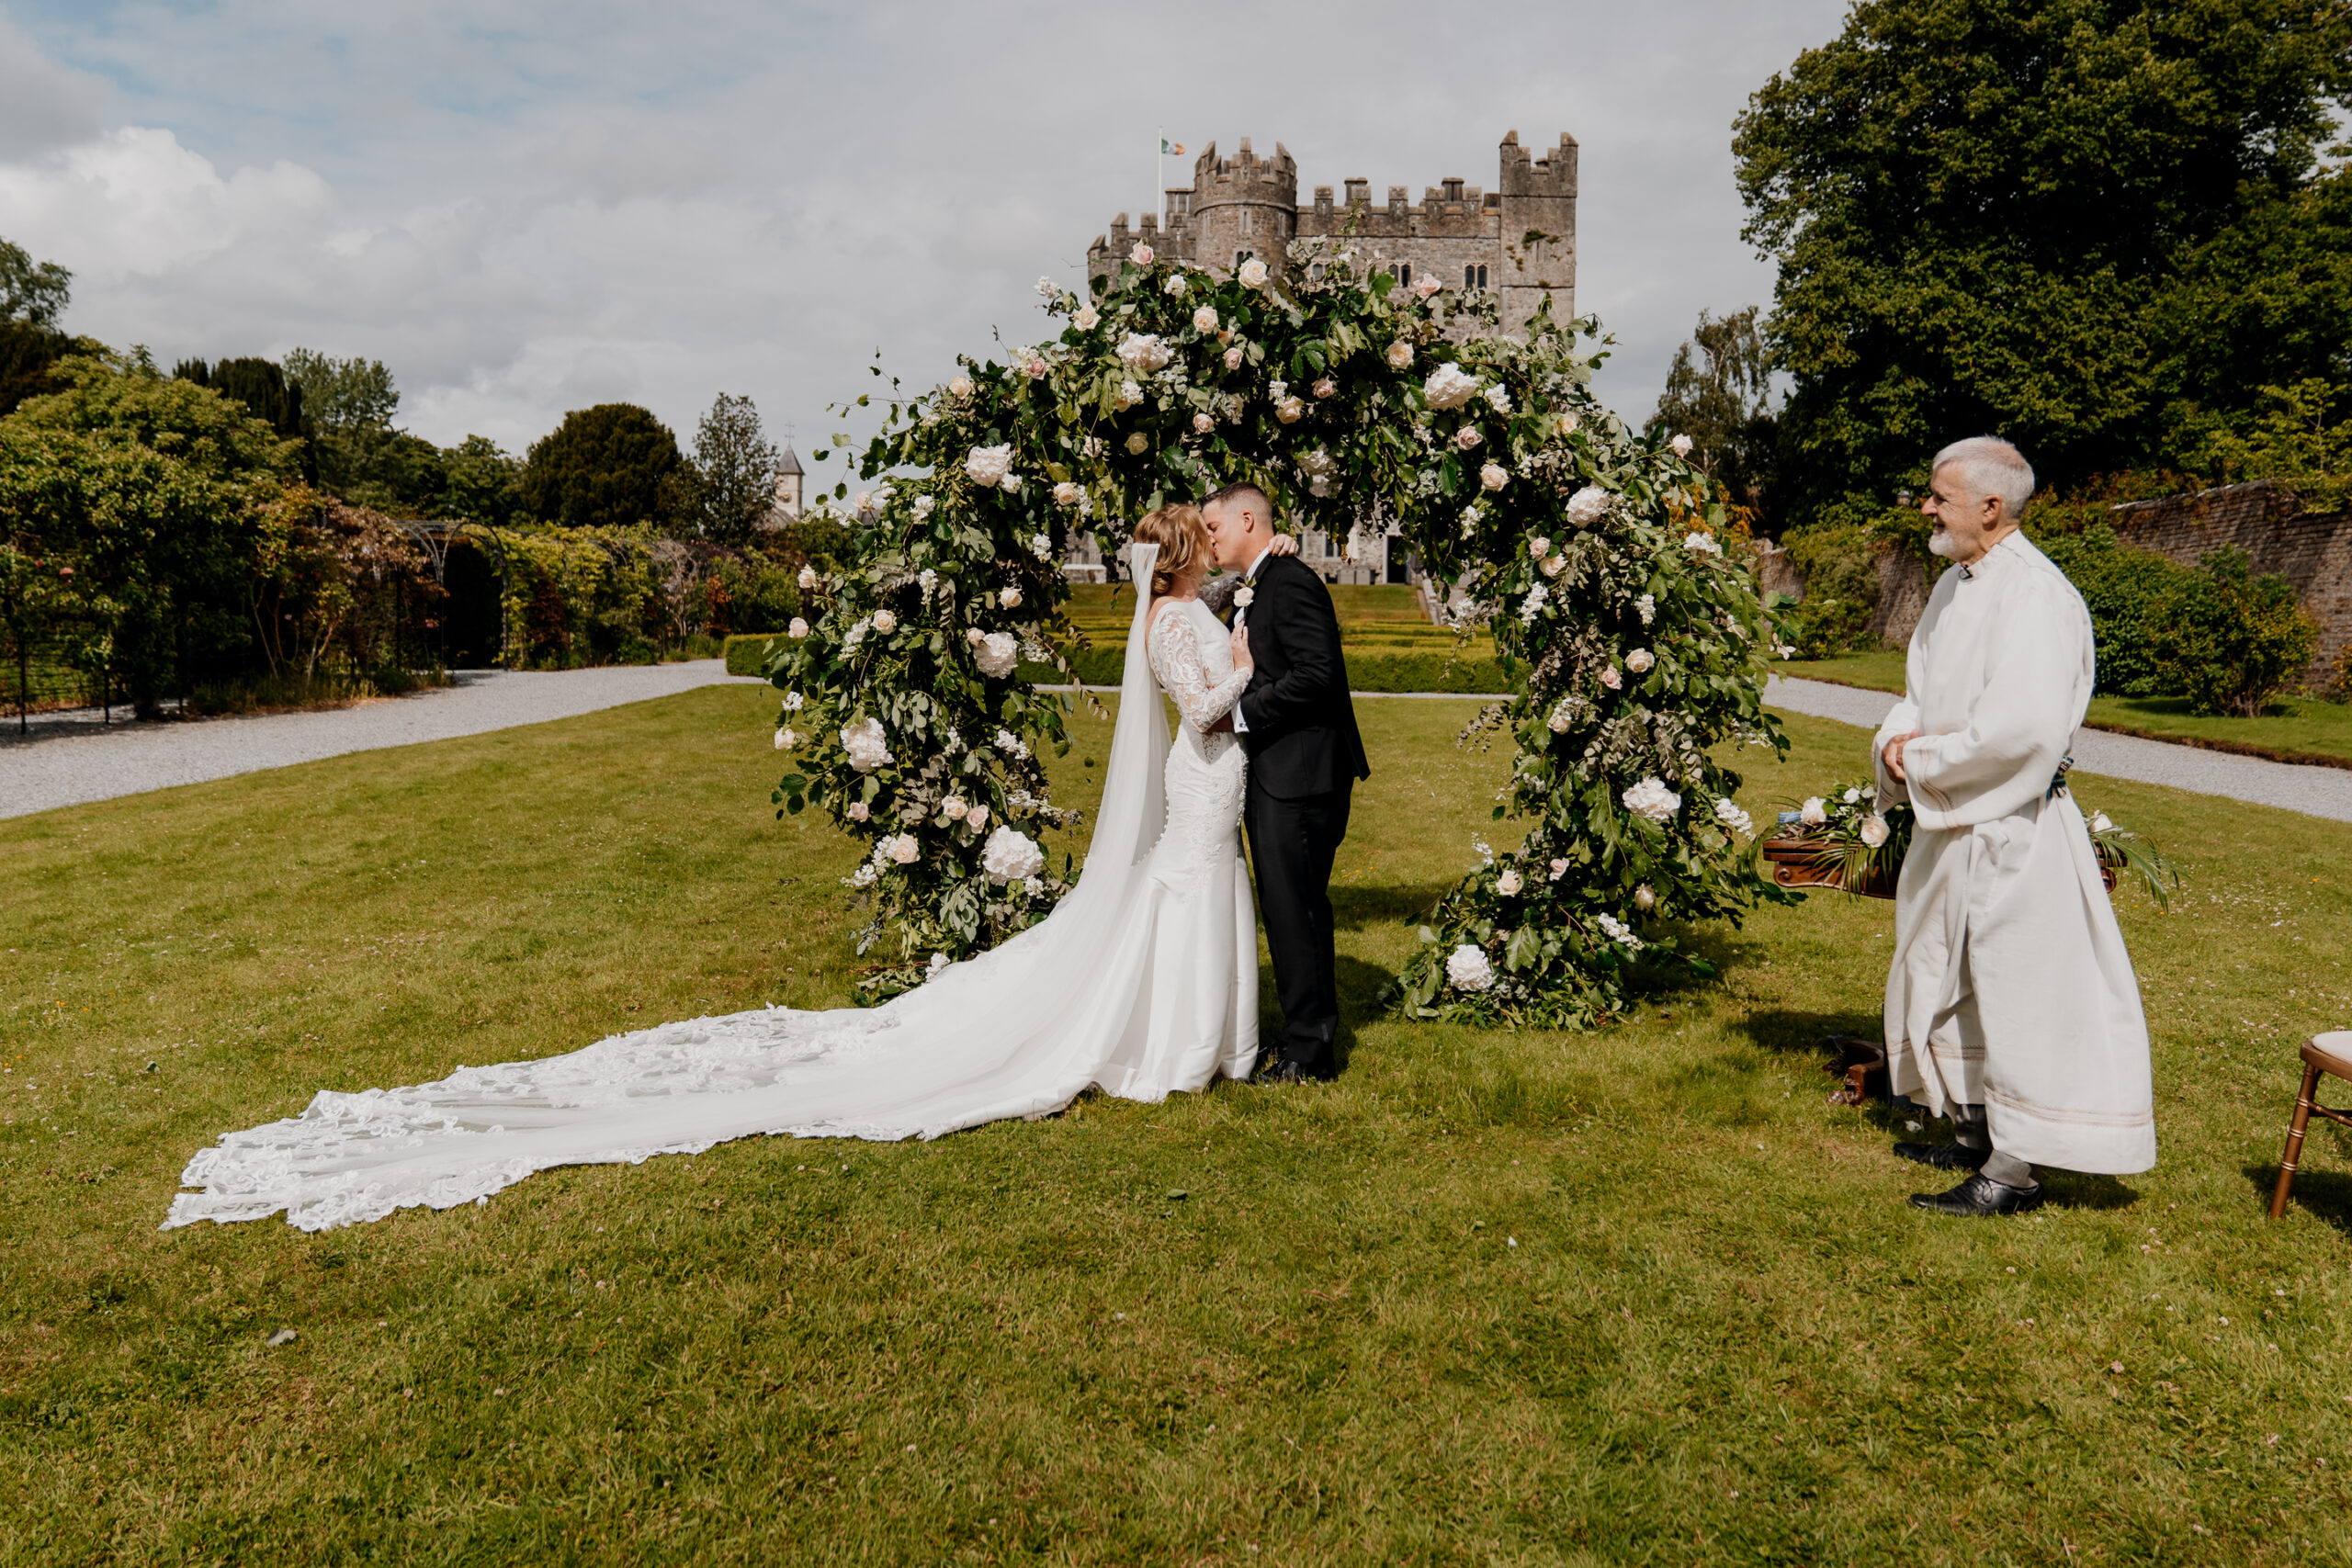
2296 729
1635 1295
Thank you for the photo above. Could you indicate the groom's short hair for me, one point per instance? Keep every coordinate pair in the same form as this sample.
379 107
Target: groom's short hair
1242 491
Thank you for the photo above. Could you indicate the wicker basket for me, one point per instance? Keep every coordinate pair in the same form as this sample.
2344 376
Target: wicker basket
1810 863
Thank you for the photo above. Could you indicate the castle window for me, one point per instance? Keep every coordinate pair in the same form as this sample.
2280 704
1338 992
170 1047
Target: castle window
1241 256
1248 220
1474 277
1404 271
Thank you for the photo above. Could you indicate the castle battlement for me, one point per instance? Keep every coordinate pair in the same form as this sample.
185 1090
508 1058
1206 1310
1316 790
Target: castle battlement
1517 240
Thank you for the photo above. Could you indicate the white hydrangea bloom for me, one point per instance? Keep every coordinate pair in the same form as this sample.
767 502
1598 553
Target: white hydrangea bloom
1042 546
1467 966
1652 799
1589 505
996 654
1648 605
794 702
1448 388
923 504
867 747
1048 289
1814 812
1128 395
1499 398
1620 933
1533 605
1012 855
1728 812
1011 744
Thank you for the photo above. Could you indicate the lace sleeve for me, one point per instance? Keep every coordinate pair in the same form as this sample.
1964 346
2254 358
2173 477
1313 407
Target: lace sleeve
1175 654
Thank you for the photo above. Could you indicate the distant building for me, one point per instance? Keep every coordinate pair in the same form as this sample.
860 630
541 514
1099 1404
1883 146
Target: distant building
788 482
1518 242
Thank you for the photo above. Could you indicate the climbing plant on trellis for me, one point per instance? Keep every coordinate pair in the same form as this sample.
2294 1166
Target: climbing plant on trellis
1636 645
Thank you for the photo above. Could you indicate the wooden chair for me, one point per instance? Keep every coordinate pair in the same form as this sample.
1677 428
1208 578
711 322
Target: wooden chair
2330 1054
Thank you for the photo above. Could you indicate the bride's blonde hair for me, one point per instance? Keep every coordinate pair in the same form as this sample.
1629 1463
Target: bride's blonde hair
1182 538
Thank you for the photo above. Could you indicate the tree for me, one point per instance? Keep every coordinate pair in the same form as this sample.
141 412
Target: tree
361 456
345 396
734 469
1719 393
611 466
1998 215
484 483
32 294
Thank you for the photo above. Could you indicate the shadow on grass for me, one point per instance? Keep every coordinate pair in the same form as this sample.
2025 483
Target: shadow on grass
2074 1190
2325 1195
1353 908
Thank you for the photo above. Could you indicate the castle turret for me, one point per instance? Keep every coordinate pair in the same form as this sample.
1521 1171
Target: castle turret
1242 207
788 475
1539 232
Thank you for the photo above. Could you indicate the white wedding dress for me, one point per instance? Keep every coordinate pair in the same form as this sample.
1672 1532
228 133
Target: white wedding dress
1143 981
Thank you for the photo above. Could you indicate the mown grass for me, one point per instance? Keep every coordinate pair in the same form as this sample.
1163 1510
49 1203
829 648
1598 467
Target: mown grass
1635 1295
2296 729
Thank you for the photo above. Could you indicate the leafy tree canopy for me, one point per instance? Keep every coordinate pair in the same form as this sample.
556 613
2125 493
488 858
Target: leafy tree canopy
1719 393
2073 223
32 294
345 396
734 467
610 466
484 482
259 384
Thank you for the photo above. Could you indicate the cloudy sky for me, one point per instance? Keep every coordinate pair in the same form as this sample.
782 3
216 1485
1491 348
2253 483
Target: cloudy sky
524 207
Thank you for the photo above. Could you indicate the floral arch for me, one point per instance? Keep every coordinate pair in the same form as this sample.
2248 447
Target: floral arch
1636 648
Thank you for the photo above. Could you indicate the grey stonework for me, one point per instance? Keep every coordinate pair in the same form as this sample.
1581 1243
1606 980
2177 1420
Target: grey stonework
1522 234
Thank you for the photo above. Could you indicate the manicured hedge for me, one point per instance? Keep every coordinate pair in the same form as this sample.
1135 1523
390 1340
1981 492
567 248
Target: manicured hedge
747 652
1100 666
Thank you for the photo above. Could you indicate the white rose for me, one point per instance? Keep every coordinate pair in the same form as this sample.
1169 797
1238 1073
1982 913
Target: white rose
808 577
1643 899
1498 398
1494 476
953 807
961 387
1009 597
797 629
1290 411
1448 388
1205 319
977 817
884 621
1010 484
1066 493
785 739
857 811
1560 718
1874 831
1128 395
1468 969
1203 424
1467 437
1568 424
1588 505
862 502
1252 274
1728 812
1427 285
1244 596
1538 547
1640 659
1042 546
1852 797
1559 869
1048 289
1681 445
1011 854
1140 255
1234 356
1325 387
1086 318
1814 812
1611 679
904 849
1400 354
1702 544
988 465
923 503
996 654
1036 367
1508 885
866 746
794 702
2099 823
1143 352
1175 283
1652 799
1554 565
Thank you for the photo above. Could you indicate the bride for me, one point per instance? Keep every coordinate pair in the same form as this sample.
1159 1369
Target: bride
1143 981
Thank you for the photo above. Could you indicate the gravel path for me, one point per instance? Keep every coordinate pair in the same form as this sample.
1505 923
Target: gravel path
69 760
2315 792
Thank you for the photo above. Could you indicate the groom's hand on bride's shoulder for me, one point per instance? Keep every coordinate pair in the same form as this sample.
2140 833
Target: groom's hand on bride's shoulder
1284 544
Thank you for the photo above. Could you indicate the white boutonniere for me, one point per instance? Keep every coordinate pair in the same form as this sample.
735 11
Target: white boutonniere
1242 596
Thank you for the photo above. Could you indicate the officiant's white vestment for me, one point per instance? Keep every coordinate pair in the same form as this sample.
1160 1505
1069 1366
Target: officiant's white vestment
2011 986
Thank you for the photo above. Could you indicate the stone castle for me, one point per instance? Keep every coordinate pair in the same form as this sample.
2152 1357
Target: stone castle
1517 240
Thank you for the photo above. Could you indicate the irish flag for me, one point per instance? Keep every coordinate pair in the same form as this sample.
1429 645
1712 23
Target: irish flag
1170 149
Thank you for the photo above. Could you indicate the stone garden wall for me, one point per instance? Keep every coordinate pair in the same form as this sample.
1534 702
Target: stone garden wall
2311 551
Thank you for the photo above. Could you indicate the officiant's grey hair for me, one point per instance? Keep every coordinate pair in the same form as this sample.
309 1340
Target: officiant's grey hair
1990 465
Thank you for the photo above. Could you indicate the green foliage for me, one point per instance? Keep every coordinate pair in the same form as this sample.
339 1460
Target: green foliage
344 397
2232 641
613 466
1719 393
734 471
2130 594
359 454
1841 565
2292 441
30 357
259 384
32 294
482 482
2026 216
142 497
1633 646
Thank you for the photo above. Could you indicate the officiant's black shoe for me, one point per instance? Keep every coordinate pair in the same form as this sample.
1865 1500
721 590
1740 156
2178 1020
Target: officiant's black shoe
1980 1196
1946 1157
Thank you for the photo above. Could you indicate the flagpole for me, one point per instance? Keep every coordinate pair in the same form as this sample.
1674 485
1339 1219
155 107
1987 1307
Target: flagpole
1159 169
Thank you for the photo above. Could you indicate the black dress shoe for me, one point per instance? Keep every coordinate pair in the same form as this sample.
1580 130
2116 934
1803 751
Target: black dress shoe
1284 1072
1979 1197
1946 1157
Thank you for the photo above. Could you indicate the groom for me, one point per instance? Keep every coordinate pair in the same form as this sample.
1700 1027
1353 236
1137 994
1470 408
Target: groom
1299 729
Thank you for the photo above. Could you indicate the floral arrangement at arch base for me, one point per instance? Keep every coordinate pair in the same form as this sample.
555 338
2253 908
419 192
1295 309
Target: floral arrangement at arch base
1636 643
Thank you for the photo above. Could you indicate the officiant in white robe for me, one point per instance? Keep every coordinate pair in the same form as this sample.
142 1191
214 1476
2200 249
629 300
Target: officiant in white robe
2011 1005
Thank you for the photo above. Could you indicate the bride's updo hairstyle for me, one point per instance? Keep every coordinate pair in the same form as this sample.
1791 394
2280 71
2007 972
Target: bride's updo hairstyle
1182 538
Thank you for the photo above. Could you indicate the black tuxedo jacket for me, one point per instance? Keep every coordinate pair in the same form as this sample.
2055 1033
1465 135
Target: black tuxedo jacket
1302 737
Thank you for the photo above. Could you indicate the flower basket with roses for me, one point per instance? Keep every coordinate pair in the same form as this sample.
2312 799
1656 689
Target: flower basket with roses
1636 645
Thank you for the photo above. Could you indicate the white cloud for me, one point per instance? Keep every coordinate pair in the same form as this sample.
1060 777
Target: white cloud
523 208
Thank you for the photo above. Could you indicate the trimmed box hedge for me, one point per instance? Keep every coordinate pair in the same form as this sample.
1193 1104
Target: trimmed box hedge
1104 666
